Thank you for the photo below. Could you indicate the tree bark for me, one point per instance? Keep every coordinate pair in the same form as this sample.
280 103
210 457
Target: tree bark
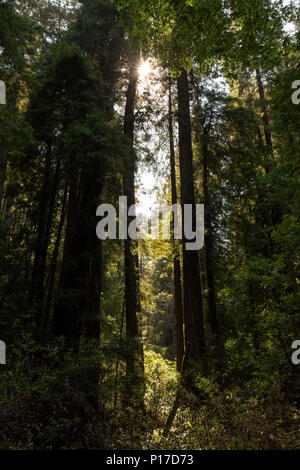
267 132
134 359
73 306
40 255
193 310
92 309
3 169
178 309
52 269
208 239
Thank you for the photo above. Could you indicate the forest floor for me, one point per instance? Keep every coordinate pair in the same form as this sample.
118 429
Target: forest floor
45 408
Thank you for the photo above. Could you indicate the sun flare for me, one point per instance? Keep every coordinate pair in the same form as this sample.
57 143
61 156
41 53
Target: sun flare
144 69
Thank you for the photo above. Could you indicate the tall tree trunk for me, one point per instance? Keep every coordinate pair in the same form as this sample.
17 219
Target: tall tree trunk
3 169
39 266
52 199
209 244
209 249
193 310
92 308
134 359
12 100
276 214
267 132
52 269
70 314
178 310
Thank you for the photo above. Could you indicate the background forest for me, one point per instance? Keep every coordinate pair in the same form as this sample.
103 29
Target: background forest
126 344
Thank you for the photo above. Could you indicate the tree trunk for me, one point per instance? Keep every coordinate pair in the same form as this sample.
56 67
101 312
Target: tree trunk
3 168
52 269
39 266
208 237
178 310
193 310
92 309
134 358
76 282
267 132
276 214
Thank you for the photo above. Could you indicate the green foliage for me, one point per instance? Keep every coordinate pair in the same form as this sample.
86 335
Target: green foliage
231 422
161 383
62 151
